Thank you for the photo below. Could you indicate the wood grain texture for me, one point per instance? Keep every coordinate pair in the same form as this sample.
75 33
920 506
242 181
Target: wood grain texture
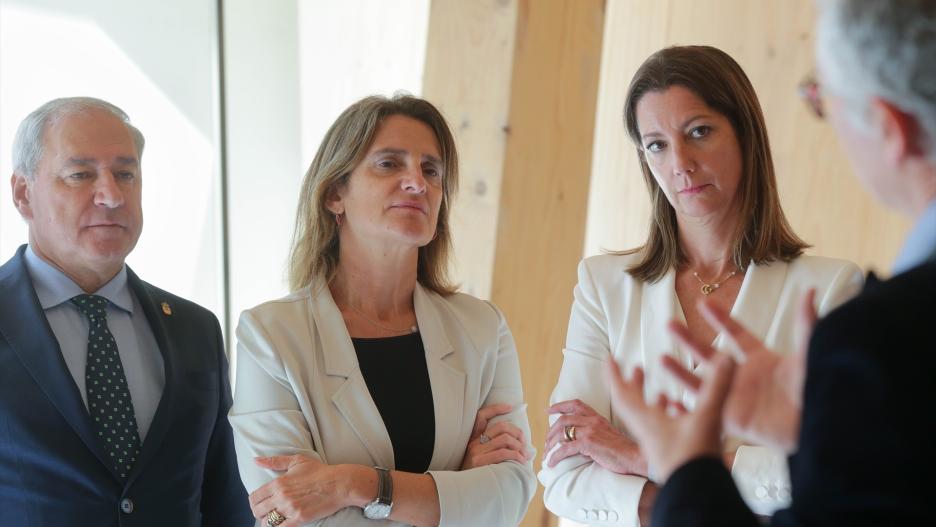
469 56
773 42
544 190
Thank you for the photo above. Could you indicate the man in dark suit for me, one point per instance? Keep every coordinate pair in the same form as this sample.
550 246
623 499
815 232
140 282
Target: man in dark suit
113 393
860 433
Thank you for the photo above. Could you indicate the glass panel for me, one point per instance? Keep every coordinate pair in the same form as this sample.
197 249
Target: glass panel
155 60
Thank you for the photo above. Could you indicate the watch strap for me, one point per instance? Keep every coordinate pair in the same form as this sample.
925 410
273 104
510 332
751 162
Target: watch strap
384 486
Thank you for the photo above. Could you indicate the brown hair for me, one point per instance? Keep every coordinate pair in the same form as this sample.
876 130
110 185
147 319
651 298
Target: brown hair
763 233
314 253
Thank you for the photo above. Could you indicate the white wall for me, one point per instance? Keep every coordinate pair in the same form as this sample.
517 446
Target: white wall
291 66
156 61
291 69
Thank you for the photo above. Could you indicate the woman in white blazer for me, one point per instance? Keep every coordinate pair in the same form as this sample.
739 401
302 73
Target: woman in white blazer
717 232
374 393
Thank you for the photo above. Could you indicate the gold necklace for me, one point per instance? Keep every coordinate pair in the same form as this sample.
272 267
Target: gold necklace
411 329
707 288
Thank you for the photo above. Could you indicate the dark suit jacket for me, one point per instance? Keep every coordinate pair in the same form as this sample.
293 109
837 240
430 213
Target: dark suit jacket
53 470
866 449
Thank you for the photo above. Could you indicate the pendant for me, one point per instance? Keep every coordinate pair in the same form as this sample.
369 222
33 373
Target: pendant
707 289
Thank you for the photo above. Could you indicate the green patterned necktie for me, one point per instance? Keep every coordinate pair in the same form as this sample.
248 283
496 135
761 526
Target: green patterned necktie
109 401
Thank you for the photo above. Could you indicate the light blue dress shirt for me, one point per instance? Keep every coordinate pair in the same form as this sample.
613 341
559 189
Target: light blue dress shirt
139 352
921 242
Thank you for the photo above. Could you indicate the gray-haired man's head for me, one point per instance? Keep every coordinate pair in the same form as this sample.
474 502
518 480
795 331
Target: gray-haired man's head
28 141
77 182
876 62
881 48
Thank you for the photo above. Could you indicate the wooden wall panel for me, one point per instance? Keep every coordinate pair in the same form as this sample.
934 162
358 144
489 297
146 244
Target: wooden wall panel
773 42
518 81
469 56
544 190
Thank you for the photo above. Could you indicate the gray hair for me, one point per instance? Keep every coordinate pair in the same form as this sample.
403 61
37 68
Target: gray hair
881 48
28 141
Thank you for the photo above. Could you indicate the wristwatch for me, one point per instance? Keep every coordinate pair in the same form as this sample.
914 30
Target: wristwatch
380 507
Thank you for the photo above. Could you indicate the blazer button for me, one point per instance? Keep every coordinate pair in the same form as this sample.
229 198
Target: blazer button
126 505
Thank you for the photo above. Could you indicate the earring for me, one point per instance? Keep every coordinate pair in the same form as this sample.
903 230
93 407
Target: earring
338 219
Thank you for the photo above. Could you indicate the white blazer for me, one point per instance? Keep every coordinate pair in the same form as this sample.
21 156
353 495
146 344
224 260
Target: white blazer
299 390
614 315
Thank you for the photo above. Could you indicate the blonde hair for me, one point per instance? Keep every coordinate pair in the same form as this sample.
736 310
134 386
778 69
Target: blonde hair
314 253
763 233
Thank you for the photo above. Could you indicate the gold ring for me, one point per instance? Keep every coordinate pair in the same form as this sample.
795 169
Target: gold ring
569 432
274 518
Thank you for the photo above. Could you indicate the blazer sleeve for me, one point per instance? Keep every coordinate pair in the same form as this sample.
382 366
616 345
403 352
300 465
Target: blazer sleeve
497 494
761 473
578 488
265 415
224 501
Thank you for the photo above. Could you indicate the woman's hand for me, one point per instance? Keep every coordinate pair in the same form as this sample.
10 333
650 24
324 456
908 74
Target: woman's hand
595 437
499 442
308 490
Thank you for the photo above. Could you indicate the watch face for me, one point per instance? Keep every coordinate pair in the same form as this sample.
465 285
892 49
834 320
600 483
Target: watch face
377 510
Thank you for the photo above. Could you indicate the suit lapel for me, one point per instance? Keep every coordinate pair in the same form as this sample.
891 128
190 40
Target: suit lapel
757 300
755 307
162 419
658 305
352 399
446 378
24 326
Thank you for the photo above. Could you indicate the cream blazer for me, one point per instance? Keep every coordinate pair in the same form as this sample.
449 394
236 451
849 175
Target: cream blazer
614 315
299 390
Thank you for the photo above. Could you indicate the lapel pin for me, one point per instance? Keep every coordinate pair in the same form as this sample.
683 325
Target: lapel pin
166 309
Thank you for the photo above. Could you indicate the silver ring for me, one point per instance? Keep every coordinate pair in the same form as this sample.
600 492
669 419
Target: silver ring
484 439
274 518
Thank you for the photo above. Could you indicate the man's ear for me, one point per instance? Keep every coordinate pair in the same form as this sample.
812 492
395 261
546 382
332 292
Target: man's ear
901 133
21 195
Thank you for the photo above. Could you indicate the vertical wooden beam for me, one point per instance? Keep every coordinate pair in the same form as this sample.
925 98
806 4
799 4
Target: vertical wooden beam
518 81
544 191
469 56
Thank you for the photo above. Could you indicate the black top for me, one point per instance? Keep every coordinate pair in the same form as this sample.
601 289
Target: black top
397 378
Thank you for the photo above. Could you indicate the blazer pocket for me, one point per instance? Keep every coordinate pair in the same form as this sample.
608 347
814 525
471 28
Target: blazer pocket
202 380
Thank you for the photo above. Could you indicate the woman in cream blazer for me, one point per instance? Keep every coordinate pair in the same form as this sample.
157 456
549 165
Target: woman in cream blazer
318 427
299 391
718 233
619 317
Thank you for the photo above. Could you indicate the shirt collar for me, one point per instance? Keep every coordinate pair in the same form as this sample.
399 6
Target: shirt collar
53 287
920 244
